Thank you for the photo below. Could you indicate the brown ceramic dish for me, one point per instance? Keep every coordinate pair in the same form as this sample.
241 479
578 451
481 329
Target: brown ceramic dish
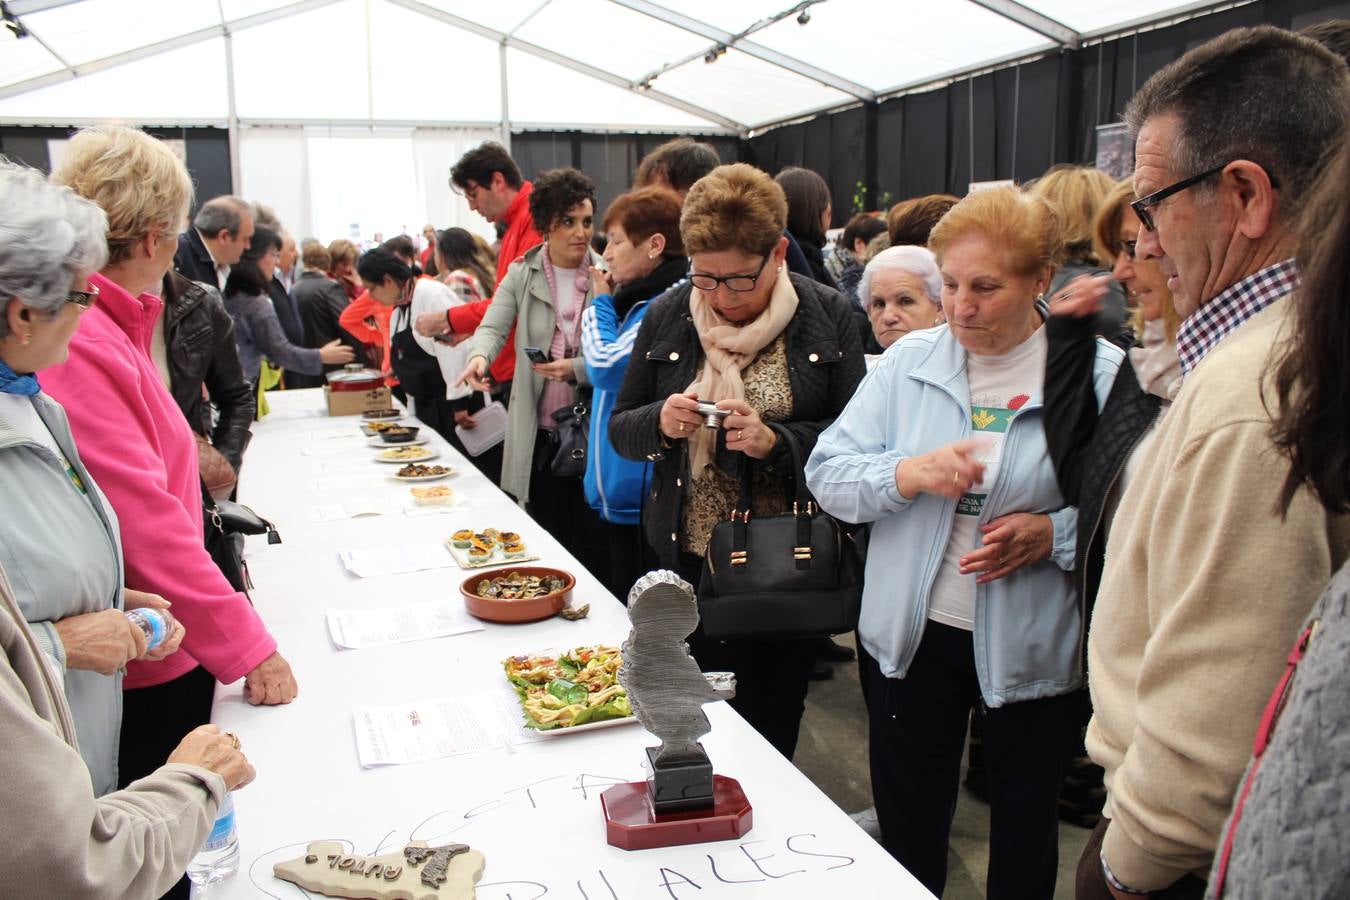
513 611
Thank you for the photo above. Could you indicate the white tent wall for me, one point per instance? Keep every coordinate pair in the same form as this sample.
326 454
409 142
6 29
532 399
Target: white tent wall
353 183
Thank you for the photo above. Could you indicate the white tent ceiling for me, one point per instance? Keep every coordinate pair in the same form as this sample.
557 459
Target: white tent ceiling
629 65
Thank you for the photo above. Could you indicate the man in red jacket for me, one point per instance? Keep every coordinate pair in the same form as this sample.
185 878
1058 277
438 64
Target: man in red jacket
490 180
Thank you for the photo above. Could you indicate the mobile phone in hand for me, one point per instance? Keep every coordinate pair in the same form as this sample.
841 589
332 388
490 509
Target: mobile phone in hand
536 356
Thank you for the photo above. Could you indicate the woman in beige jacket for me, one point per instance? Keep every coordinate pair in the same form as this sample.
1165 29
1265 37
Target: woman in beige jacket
56 838
544 294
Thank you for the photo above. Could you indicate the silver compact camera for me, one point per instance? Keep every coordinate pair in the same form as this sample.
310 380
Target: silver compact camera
712 416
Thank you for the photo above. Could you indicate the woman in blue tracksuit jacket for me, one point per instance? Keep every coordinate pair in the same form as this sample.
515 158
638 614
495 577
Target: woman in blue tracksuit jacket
645 257
968 600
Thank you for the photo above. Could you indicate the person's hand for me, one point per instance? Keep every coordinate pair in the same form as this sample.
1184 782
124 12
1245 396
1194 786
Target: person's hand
475 375
1081 297
336 353
679 415
746 431
465 420
601 281
948 471
271 683
1010 542
556 370
431 324
208 747
101 641
133 599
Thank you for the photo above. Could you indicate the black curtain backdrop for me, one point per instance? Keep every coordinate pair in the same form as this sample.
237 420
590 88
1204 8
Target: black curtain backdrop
1013 123
610 160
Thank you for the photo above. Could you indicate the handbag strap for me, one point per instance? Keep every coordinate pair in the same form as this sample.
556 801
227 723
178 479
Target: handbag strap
803 509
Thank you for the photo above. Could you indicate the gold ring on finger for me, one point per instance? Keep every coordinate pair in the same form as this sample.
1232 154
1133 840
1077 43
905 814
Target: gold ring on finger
681 426
740 434
956 478
233 738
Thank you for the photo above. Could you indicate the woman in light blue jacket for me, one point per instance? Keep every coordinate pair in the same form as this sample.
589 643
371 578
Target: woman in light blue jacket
968 600
646 258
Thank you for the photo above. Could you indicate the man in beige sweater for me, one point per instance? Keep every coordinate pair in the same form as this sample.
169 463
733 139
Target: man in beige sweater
1205 585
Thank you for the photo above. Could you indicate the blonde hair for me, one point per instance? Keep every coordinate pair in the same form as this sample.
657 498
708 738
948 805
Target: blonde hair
136 179
340 251
1024 226
1105 239
734 207
1076 192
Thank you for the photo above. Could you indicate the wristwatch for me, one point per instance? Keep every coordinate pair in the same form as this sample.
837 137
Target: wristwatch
1115 882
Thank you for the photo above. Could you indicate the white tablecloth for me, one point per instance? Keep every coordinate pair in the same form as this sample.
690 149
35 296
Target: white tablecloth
533 809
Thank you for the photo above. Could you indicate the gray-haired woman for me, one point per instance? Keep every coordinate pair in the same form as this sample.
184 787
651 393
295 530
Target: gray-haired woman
59 545
902 292
58 536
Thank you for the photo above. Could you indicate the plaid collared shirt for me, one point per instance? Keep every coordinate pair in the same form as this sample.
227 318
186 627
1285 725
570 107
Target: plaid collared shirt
1203 329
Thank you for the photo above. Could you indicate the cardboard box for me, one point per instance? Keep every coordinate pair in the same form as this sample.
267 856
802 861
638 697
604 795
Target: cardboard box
353 403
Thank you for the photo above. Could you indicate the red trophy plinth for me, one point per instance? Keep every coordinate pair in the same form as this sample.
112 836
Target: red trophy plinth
631 822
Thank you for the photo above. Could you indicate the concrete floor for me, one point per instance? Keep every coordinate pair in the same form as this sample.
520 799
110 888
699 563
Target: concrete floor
832 752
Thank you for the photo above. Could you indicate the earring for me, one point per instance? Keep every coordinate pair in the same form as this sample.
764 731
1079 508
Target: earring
651 256
1040 298
780 268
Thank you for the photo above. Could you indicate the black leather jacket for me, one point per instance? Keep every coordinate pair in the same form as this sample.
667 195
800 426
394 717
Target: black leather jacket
1089 450
199 341
825 365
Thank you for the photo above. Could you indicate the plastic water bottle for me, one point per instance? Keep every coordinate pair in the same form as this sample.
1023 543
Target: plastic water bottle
219 857
155 624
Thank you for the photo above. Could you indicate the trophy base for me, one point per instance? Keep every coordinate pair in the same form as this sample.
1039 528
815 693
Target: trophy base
631 823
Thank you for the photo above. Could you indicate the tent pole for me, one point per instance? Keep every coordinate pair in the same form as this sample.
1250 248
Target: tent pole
506 103
233 113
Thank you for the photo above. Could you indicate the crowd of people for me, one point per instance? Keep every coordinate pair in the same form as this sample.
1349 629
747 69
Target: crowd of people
1093 433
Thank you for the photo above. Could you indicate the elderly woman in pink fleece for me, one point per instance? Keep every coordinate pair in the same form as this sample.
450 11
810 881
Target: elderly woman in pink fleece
137 445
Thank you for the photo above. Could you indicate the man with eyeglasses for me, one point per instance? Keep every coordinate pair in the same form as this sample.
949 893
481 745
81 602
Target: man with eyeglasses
1205 585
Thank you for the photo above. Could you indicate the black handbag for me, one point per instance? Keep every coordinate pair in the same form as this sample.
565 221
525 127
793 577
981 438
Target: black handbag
226 523
570 437
797 575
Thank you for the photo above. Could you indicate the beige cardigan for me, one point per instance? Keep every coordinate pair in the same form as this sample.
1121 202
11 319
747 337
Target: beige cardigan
56 839
1203 593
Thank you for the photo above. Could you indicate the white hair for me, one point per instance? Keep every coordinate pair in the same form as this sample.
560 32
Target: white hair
48 236
917 261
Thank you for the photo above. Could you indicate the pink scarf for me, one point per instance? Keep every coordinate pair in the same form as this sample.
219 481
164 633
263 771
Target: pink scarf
566 340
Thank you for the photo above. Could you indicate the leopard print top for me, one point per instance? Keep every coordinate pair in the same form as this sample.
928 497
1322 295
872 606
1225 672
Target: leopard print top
712 498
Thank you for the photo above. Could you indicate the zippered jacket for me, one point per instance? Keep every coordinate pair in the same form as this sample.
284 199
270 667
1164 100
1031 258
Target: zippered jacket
1029 626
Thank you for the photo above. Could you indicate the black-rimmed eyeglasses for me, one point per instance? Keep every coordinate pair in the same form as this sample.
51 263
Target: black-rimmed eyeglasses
83 299
737 283
1142 206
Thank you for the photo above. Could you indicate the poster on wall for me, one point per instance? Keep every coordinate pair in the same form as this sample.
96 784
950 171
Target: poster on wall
1115 150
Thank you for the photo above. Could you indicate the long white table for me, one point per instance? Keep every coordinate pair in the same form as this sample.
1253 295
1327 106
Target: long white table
533 809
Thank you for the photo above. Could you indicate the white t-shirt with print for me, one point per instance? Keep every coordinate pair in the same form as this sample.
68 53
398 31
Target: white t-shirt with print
999 387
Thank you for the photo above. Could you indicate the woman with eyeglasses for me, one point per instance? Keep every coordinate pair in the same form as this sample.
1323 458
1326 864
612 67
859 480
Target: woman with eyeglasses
59 536
257 330
778 353
1094 453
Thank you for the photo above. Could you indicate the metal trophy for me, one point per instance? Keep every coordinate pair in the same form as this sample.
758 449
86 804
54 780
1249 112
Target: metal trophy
682 801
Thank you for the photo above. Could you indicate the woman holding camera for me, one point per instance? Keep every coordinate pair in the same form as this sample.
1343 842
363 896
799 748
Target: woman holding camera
775 353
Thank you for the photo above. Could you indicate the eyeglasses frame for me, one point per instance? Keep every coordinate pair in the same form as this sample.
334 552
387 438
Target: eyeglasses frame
724 280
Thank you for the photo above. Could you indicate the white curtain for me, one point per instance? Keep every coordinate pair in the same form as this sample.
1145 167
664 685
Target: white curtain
435 150
274 170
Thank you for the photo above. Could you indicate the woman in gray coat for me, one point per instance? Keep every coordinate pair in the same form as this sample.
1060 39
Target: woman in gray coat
543 295
58 536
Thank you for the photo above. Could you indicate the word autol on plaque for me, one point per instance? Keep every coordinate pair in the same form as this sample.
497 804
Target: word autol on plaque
418 872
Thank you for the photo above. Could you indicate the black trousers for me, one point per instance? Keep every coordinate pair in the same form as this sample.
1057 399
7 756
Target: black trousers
558 503
628 558
917 731
771 676
154 720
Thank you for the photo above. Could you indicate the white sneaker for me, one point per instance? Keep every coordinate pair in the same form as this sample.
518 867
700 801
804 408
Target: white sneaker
867 821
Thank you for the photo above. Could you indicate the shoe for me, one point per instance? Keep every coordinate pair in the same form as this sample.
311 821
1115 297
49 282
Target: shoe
829 651
867 821
821 671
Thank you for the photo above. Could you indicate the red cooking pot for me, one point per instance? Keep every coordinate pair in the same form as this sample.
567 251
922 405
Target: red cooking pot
354 377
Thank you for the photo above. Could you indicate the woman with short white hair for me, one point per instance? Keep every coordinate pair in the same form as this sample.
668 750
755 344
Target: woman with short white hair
901 291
